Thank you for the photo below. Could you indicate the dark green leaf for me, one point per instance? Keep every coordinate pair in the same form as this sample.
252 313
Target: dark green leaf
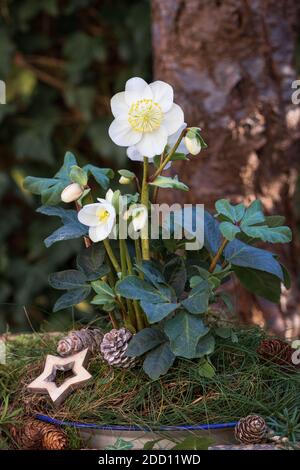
71 297
158 361
69 279
144 341
197 301
155 312
101 175
205 346
90 261
269 234
184 331
253 215
260 283
175 274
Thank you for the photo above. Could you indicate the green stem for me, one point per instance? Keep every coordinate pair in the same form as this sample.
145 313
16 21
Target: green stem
145 202
111 256
169 156
217 256
122 246
138 252
140 321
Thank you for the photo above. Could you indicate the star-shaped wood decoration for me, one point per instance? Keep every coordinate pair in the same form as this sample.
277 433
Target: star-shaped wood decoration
45 383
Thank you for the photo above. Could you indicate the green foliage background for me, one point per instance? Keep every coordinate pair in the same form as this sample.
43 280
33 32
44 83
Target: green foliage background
61 62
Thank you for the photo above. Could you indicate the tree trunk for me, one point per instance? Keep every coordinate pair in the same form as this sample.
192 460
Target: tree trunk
231 63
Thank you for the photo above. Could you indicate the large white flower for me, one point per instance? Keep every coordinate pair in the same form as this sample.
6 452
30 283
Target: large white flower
100 217
145 116
139 215
134 154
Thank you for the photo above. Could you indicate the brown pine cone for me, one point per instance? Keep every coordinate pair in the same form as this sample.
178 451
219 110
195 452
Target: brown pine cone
114 346
78 340
54 440
251 430
276 351
28 436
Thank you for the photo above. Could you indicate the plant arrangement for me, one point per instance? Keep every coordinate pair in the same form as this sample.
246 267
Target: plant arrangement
162 294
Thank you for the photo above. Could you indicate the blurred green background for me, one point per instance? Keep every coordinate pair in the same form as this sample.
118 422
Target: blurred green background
61 62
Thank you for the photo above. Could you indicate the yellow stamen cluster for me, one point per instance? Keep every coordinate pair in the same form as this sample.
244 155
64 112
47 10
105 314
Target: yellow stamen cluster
103 215
145 116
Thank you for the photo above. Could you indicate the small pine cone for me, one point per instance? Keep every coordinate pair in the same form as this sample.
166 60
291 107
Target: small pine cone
114 346
28 436
276 351
54 439
251 430
78 340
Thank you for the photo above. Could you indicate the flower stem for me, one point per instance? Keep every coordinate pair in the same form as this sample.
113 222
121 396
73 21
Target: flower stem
168 157
111 256
217 256
138 252
123 257
140 320
145 202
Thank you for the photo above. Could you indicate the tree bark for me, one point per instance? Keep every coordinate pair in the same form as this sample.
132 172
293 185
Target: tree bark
231 63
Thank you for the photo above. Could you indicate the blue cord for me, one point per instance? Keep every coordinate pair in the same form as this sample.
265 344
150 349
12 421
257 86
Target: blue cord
197 427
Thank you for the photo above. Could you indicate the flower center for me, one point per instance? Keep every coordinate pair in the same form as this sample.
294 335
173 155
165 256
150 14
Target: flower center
103 215
145 116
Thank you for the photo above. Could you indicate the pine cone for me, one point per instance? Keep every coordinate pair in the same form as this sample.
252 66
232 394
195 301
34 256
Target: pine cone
251 430
78 340
35 434
54 440
276 351
114 346
28 436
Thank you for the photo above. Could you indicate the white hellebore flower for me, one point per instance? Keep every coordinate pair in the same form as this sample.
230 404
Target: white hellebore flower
71 193
145 116
134 154
139 215
100 217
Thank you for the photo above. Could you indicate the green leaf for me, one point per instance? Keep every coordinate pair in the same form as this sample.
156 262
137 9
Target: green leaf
155 312
71 229
158 361
120 444
127 174
184 331
102 288
144 341
69 279
206 369
167 182
132 287
78 175
286 277
194 443
178 156
253 214
175 274
205 346
269 234
197 301
90 261
152 273
274 220
64 171
224 207
223 332
71 297
101 175
260 283
229 230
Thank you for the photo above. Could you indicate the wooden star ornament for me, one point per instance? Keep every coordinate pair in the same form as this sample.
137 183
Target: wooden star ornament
45 383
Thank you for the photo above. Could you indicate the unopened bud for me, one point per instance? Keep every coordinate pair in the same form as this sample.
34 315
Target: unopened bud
192 142
124 180
71 193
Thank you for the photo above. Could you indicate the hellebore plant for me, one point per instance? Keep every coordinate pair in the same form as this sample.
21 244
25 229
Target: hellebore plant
169 297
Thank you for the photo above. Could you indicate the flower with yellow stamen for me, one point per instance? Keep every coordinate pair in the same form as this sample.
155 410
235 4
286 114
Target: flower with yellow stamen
100 217
145 116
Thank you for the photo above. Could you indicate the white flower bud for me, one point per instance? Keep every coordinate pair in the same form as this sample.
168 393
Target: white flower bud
124 180
71 193
192 143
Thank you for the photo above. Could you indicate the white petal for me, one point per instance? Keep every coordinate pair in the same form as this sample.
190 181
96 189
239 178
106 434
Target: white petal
173 119
162 94
153 143
140 219
134 154
109 195
121 132
118 104
102 230
137 89
88 214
